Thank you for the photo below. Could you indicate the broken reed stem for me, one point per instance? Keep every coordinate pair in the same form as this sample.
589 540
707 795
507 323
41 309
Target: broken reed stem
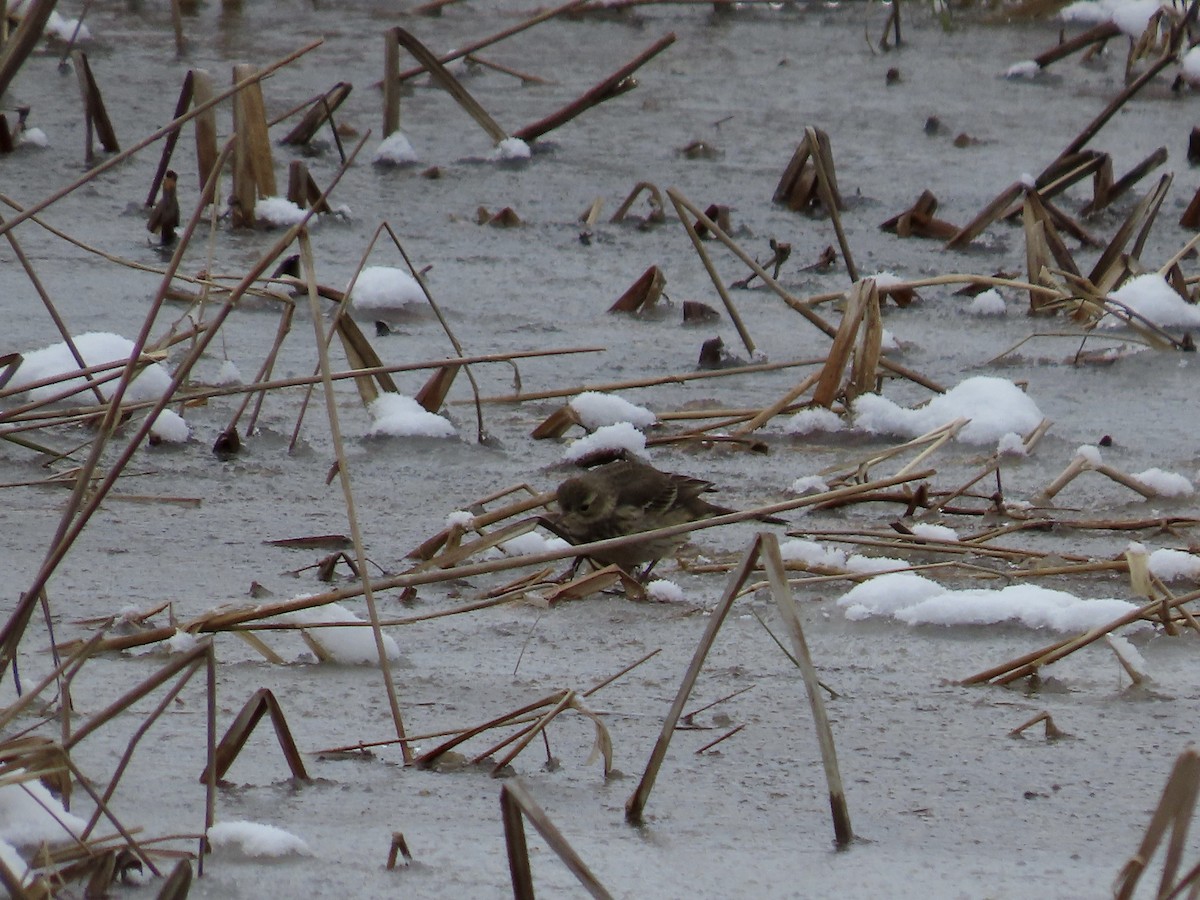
480 433
1031 662
50 307
135 738
74 518
497 37
11 633
511 719
254 387
228 620
799 306
173 125
768 547
730 733
636 803
348 490
715 277
647 382
515 800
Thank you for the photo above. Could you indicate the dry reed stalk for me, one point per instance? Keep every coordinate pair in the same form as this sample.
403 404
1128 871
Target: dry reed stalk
343 469
830 378
24 40
225 620
186 92
782 405
595 583
730 733
204 124
429 547
1109 268
713 275
197 110
261 702
139 732
451 85
470 48
515 803
1136 676
986 216
428 758
253 165
768 546
481 433
522 739
1093 127
1031 662
656 215
50 307
637 800
487 540
935 439
1029 441
680 378
1174 812
63 671
680 200
803 308
318 114
95 115
1052 730
525 77
614 85
919 220
1096 34
642 294
78 512
605 682
179 882
1113 190
822 157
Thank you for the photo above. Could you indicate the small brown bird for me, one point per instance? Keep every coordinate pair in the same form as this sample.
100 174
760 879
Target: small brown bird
626 497
164 218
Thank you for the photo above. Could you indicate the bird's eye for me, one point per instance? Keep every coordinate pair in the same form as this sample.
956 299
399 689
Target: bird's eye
583 507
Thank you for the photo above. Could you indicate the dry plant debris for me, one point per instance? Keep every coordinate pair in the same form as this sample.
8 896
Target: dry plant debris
855 364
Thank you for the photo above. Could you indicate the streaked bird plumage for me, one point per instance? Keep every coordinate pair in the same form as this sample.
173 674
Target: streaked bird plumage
627 497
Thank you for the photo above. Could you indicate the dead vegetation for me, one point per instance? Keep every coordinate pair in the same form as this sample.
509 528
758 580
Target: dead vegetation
903 479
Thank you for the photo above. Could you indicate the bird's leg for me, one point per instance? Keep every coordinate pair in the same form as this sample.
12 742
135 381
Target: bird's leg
644 575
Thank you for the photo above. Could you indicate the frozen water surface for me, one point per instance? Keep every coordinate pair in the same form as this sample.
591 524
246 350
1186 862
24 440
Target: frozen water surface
947 804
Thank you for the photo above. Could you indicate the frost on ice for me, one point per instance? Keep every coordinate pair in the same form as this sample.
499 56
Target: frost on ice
596 409
395 150
916 600
385 288
352 645
621 436
1174 565
1150 296
531 543
279 211
988 303
814 419
995 406
30 815
510 149
97 348
256 839
664 591
397 415
1165 484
